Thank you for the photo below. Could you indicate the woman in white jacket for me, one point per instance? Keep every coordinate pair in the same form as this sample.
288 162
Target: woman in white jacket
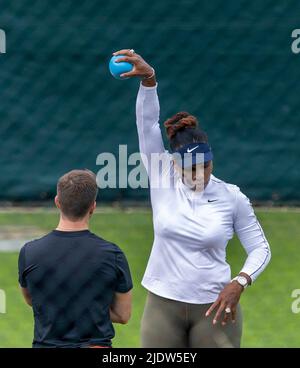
192 300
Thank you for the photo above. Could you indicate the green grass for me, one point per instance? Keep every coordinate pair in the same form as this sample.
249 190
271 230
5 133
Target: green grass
268 319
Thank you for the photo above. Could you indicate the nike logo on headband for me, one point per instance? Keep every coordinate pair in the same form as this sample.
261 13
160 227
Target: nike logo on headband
192 149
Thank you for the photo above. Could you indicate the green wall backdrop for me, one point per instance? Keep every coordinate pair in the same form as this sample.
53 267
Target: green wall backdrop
228 62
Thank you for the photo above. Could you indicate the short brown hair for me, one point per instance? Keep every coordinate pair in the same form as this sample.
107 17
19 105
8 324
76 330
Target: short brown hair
77 190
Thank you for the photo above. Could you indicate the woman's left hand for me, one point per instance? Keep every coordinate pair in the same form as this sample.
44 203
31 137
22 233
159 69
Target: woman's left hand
228 299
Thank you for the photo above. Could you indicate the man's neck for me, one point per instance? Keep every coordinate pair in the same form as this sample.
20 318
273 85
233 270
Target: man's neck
67 225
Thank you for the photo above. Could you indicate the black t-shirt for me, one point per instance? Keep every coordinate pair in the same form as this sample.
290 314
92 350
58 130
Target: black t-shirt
72 278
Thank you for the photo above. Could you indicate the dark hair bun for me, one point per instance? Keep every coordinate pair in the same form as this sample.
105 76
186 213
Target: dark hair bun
180 121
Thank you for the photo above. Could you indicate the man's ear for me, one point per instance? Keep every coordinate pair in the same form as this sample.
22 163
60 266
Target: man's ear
56 201
93 208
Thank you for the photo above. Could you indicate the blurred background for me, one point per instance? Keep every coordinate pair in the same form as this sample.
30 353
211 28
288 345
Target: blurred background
229 63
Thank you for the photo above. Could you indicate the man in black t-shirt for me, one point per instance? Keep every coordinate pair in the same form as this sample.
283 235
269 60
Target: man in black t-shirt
77 283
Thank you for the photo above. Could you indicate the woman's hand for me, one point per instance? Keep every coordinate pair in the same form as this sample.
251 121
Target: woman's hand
140 67
228 299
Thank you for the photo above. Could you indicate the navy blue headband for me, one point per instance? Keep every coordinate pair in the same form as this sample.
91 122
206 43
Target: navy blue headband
193 153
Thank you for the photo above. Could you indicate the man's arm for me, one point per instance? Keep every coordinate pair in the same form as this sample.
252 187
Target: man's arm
26 296
22 278
120 309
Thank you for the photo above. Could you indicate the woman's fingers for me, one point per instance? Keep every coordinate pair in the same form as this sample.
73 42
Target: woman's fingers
233 314
226 318
222 304
227 315
126 52
227 300
212 307
219 312
129 74
128 59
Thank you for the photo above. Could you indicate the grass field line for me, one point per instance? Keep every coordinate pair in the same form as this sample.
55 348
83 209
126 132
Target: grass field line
99 209
138 209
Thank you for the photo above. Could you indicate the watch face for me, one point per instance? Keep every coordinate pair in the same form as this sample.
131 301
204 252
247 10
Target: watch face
242 280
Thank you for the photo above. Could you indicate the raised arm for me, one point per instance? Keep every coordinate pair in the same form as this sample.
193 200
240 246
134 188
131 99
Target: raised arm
147 121
147 107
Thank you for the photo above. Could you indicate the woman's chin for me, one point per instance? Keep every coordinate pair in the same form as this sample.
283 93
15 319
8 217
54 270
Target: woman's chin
195 187
198 188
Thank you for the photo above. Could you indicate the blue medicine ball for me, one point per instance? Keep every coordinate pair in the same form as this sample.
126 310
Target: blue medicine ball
119 68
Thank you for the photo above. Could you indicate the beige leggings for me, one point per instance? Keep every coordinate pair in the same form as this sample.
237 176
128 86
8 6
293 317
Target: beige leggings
169 323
